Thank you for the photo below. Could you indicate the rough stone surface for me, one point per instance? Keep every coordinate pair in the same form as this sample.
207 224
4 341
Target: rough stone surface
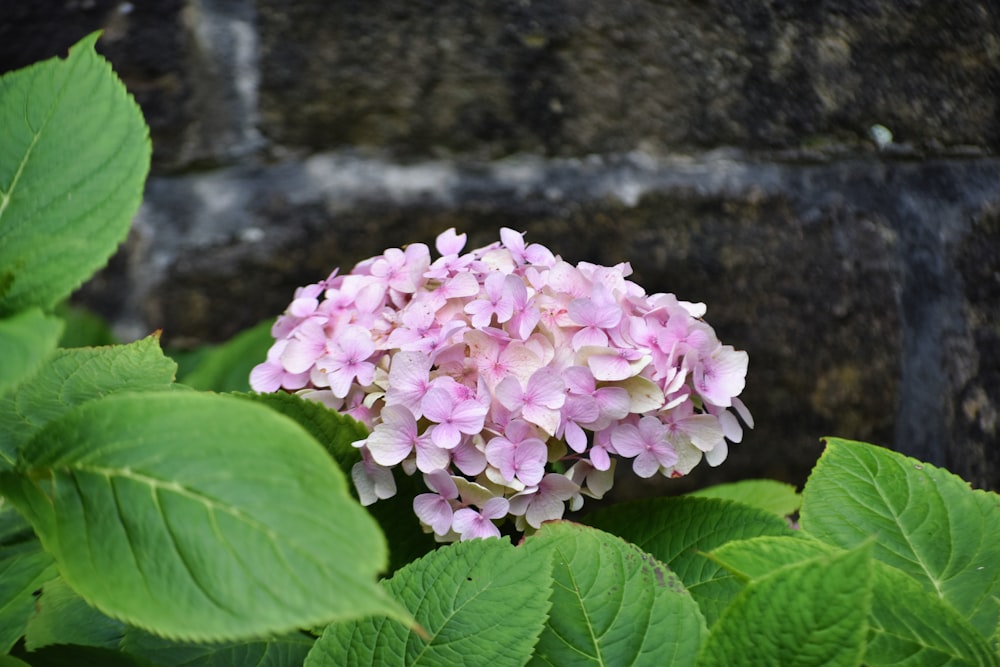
838 278
729 150
974 439
488 79
184 61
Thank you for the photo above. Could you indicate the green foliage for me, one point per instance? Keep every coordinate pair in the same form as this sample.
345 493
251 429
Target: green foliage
612 603
143 522
331 429
679 532
27 339
809 613
285 651
907 625
336 432
766 494
482 602
74 154
63 617
928 523
73 377
83 328
24 566
227 367
108 504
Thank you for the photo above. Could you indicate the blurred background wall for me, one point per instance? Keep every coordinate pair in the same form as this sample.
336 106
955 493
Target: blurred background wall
824 175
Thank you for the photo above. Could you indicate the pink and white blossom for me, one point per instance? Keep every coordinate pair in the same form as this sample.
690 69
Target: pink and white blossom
483 369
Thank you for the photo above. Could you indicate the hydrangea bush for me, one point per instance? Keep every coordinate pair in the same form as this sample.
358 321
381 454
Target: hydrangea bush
152 514
510 379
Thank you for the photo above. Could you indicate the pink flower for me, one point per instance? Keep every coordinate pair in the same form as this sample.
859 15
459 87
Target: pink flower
471 524
525 315
403 270
372 481
612 402
577 410
721 375
437 509
450 243
648 443
602 449
347 361
595 315
469 367
546 502
452 418
272 375
306 345
518 455
409 381
532 254
704 431
397 436
498 301
539 402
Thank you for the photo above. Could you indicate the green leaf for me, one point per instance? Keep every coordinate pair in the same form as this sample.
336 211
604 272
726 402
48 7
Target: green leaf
809 613
766 494
333 430
11 661
74 154
913 628
83 328
63 617
908 626
74 377
481 602
24 566
612 604
27 339
679 531
227 367
336 432
760 556
199 517
927 523
284 651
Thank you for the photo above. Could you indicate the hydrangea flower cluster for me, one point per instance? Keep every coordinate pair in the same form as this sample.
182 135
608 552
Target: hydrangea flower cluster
511 380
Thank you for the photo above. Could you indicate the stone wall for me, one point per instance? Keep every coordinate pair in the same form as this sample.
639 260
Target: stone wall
823 175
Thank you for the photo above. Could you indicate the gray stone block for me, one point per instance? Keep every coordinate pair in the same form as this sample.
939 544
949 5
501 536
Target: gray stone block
488 79
844 281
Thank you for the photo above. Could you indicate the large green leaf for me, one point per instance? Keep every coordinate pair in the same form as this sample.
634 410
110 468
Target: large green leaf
74 154
288 650
766 494
679 531
927 522
26 341
198 516
336 432
612 604
481 602
73 377
24 566
810 613
333 430
908 626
